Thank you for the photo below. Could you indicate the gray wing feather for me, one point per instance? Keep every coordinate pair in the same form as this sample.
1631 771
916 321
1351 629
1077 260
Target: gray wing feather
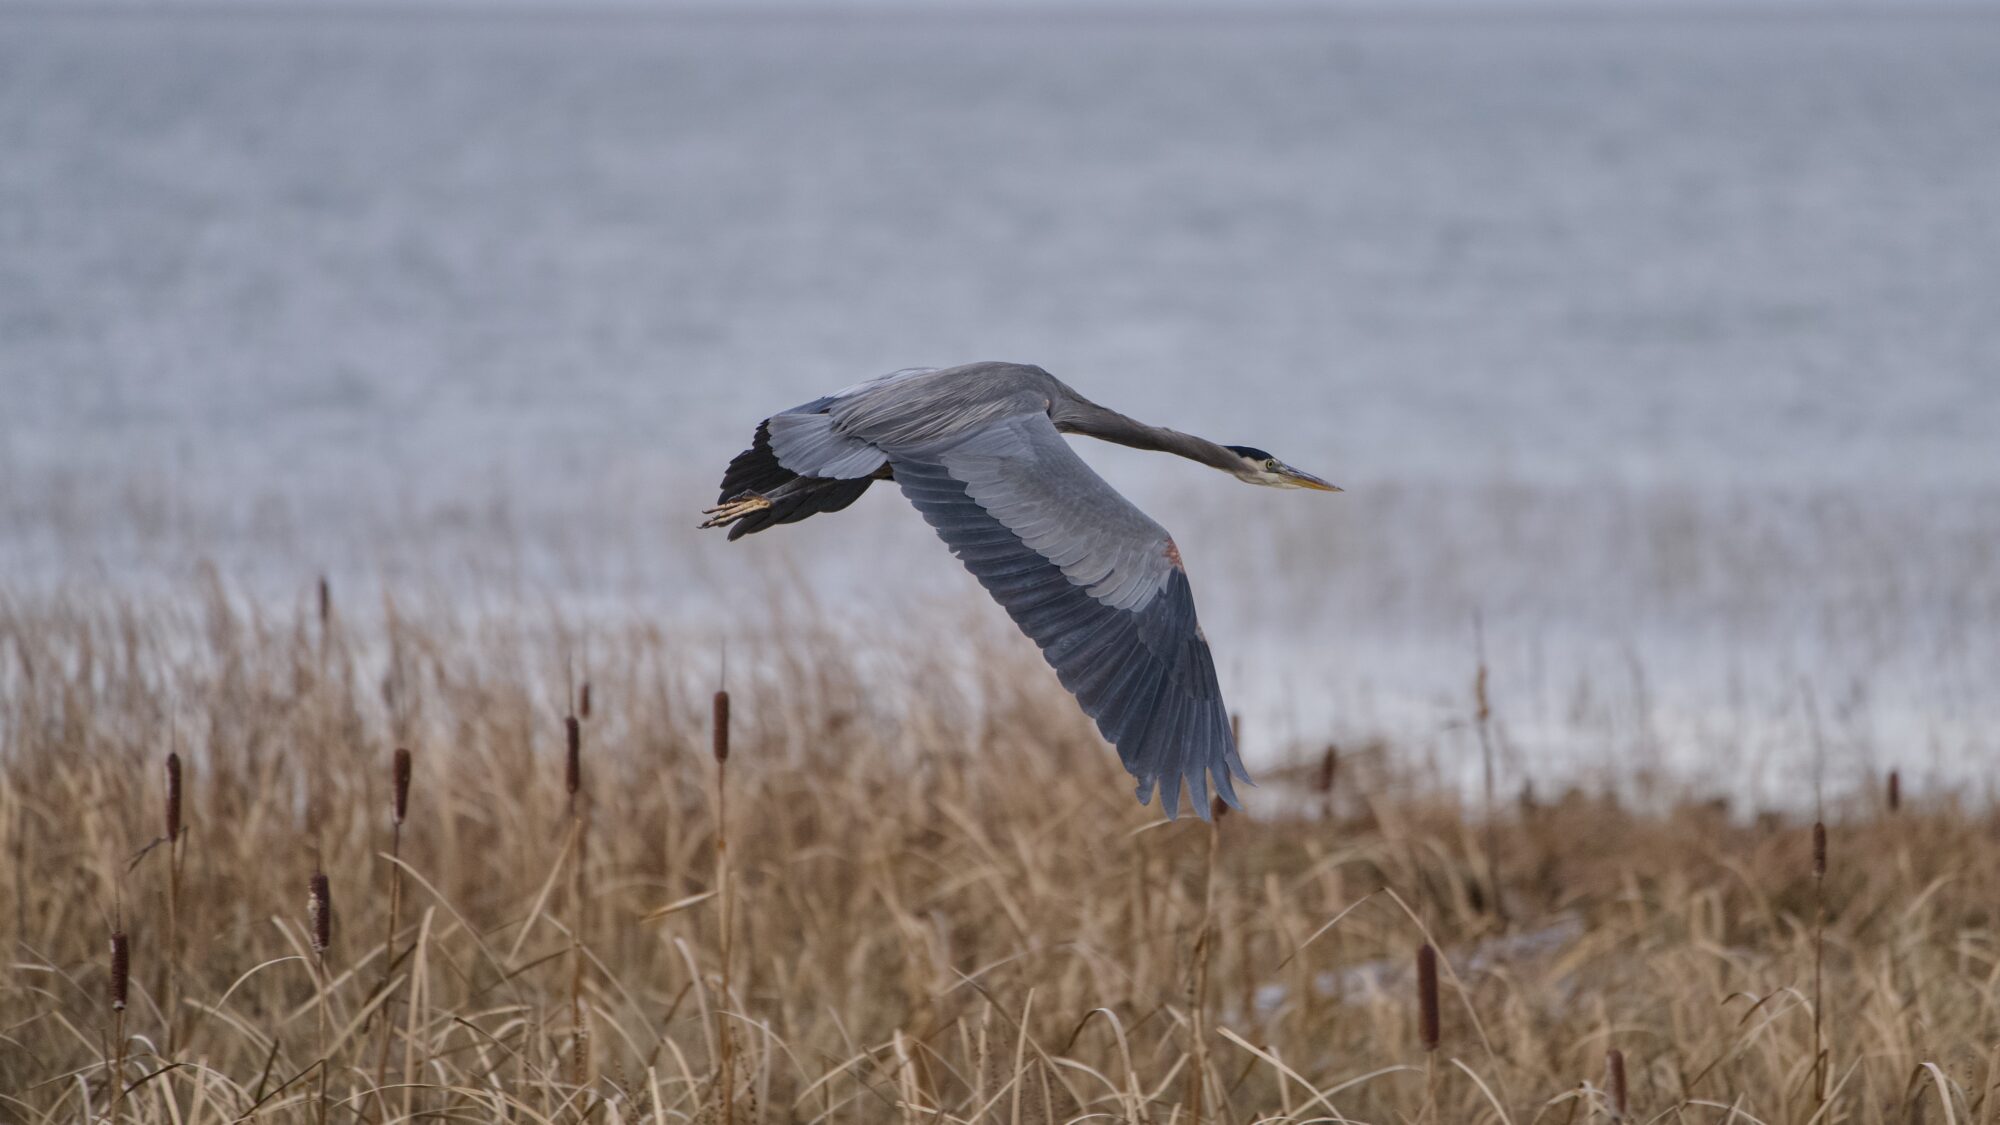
809 440
810 445
1088 577
1025 475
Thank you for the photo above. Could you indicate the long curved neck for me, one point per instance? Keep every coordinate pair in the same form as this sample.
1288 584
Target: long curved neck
1081 416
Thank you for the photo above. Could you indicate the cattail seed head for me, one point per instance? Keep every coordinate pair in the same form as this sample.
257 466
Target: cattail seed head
583 701
1479 694
1819 849
325 601
1620 1101
1329 764
1895 790
1218 808
121 970
319 907
399 770
573 761
173 798
721 726
1427 997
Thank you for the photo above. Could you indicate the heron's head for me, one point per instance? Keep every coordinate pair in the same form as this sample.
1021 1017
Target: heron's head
1260 467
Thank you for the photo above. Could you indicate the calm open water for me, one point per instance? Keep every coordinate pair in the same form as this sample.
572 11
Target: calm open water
1668 344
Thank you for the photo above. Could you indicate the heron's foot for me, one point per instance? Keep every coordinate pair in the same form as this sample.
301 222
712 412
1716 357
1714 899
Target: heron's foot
722 515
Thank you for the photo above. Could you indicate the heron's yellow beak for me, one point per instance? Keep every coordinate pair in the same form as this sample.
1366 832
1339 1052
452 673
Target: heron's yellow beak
1298 479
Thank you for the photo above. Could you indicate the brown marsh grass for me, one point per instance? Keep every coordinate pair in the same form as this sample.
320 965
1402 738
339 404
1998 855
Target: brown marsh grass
943 904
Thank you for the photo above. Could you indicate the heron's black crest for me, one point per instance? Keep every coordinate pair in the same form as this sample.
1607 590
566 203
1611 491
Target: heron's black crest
1250 451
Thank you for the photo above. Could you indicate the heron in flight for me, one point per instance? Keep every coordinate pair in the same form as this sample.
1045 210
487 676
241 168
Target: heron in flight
1094 581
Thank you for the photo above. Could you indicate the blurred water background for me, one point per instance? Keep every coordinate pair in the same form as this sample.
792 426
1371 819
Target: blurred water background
1663 343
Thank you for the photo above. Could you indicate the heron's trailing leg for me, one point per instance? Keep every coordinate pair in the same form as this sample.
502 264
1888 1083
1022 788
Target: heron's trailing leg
722 515
760 493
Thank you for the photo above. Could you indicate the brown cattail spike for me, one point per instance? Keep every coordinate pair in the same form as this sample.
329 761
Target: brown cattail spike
1620 1099
1328 765
1819 849
573 762
173 798
1218 808
721 726
1427 996
319 906
1895 790
400 771
325 601
583 701
121 970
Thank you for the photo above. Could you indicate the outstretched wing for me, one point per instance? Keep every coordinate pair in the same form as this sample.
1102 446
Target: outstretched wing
1096 584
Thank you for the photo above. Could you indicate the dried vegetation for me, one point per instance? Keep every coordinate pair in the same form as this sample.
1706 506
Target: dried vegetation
286 866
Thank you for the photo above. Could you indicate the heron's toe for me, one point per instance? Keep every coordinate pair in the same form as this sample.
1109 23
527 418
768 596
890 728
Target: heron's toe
724 514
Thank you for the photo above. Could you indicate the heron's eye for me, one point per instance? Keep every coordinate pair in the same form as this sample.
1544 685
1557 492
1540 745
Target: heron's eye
1271 465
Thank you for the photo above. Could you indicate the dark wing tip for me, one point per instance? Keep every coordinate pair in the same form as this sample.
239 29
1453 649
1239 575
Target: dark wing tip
1186 740
1194 752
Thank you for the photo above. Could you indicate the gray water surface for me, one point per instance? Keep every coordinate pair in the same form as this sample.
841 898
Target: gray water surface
1667 343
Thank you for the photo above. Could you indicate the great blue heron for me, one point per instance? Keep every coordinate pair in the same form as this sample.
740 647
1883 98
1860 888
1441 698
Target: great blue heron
1087 575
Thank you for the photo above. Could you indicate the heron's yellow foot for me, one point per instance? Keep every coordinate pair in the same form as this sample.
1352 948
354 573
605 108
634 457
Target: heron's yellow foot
722 515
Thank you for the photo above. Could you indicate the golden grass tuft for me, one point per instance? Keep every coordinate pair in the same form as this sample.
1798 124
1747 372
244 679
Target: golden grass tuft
941 903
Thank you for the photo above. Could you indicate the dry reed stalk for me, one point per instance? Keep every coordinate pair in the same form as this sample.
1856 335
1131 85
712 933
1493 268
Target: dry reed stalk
319 913
1614 1059
1329 772
725 1068
1430 1029
121 970
173 827
1819 962
1483 721
325 643
1139 866
399 811
173 797
572 760
419 993
319 910
120 993
579 1063
1429 1026
1197 1082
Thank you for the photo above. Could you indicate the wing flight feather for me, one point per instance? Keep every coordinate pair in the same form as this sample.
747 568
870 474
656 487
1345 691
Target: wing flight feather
1095 583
